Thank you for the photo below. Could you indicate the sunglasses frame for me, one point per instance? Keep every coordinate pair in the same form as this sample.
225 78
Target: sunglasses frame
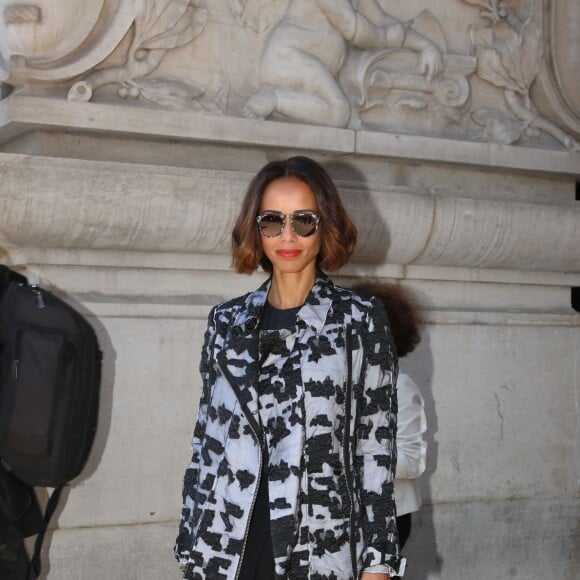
284 217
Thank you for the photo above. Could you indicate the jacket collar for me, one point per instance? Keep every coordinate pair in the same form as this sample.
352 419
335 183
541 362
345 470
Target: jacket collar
313 313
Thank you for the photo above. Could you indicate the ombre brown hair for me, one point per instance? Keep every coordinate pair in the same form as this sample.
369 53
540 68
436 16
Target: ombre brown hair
337 232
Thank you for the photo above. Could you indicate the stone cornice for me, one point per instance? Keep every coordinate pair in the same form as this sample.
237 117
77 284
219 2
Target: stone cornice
89 205
20 114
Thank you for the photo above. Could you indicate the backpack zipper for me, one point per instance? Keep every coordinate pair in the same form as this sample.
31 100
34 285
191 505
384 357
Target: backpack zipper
18 356
38 297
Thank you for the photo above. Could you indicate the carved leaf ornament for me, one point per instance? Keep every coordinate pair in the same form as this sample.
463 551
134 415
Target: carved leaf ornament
506 57
509 54
167 25
170 93
498 127
159 26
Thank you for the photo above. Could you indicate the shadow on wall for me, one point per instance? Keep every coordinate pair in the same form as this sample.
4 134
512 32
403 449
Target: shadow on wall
373 235
423 558
103 428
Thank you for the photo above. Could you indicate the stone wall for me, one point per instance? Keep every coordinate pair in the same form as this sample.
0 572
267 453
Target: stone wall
126 145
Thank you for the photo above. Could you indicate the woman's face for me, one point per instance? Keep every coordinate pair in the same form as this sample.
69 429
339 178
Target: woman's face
289 252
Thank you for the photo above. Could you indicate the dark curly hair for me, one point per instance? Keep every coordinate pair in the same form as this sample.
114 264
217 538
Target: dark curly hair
338 233
402 309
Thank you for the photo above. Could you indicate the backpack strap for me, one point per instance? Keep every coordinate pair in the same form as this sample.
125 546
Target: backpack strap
34 568
7 275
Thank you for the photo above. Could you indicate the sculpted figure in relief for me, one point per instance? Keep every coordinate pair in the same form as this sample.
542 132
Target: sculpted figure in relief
304 53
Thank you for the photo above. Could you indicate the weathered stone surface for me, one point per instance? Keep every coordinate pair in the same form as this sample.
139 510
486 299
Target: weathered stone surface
516 539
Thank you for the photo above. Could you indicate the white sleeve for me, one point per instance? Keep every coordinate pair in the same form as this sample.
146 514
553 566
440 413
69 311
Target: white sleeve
411 425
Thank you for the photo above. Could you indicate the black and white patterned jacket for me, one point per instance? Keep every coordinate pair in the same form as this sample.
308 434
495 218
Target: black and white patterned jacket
346 521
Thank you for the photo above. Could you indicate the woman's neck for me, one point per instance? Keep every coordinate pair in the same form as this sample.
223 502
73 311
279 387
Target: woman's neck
289 290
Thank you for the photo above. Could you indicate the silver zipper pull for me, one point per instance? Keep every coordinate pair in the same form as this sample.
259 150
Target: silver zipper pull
38 297
15 367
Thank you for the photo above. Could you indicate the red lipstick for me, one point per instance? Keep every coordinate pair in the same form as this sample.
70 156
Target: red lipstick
288 253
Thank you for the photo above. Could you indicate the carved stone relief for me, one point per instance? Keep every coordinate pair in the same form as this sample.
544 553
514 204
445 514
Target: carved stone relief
35 52
158 26
329 62
259 15
360 64
384 84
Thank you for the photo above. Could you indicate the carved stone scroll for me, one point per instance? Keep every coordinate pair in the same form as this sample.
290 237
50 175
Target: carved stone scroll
387 78
46 42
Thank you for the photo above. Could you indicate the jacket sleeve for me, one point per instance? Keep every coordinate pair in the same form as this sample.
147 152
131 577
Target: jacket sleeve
376 453
411 426
190 481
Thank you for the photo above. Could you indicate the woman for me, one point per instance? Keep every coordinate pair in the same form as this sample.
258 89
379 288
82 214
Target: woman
411 421
294 448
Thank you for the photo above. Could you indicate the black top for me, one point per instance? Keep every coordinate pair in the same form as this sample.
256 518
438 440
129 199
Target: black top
258 558
275 319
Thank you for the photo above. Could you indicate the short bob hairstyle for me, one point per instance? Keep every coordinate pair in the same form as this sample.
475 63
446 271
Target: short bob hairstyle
403 312
338 233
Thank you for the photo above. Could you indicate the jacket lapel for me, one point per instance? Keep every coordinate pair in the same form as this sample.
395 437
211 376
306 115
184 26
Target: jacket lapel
239 358
318 303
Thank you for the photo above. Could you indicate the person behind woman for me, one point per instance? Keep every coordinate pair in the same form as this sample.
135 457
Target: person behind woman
294 448
405 323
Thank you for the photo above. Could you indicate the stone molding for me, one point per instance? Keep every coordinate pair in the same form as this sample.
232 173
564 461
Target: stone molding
144 291
21 114
74 204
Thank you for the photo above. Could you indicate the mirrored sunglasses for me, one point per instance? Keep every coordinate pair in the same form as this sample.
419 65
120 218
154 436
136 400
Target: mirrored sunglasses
304 223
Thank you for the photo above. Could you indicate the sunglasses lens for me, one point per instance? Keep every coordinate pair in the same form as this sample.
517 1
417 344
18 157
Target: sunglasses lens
305 224
271 224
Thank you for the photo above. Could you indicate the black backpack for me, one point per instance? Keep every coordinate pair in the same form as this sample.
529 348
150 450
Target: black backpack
50 371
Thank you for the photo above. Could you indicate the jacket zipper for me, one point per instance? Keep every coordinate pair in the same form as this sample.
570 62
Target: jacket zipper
346 451
261 444
259 480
